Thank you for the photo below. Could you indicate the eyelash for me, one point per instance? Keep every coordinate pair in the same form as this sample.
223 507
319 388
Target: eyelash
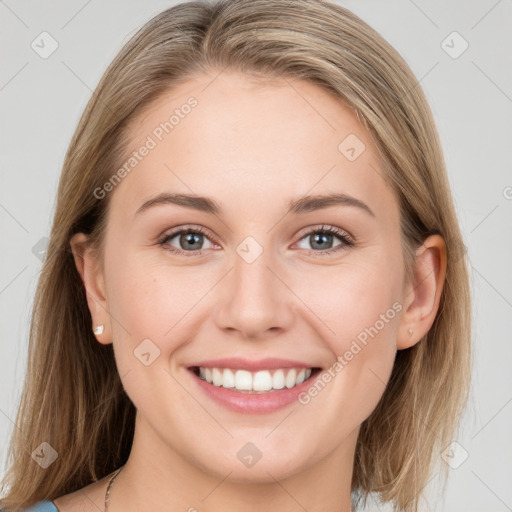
342 235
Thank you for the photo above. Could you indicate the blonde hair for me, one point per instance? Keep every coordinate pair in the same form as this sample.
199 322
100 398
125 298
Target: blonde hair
73 396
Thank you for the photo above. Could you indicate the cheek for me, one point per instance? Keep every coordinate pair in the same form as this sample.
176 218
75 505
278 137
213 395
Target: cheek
358 310
154 301
149 311
349 300
150 297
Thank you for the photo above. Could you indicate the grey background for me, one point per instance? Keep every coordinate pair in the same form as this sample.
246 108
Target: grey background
471 97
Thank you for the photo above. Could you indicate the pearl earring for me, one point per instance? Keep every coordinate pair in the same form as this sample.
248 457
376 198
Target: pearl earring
99 329
411 332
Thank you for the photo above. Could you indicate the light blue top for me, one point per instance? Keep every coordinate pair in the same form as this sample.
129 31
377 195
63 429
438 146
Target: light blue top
43 506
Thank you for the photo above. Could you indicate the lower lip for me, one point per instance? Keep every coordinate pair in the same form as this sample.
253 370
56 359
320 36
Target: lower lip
247 403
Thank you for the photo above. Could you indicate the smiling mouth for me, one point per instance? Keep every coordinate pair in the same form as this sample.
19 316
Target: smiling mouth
263 381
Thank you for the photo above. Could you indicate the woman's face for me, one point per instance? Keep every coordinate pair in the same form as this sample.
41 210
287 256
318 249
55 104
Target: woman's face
259 281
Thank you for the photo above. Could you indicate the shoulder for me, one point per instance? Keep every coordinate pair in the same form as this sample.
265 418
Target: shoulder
88 499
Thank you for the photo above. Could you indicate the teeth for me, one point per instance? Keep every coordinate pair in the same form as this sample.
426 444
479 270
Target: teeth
228 379
243 380
260 381
216 377
278 380
291 378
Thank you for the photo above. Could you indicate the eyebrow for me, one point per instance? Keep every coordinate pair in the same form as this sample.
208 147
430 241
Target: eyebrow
301 205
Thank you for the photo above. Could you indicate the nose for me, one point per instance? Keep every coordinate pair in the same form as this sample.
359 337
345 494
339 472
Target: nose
255 299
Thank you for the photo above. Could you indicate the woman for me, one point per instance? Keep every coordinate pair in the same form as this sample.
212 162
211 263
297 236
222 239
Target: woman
312 346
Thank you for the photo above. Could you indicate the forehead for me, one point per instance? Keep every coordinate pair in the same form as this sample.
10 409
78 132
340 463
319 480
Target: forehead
252 143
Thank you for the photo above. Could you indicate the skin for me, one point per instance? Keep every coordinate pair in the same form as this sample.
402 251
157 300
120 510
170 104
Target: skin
252 148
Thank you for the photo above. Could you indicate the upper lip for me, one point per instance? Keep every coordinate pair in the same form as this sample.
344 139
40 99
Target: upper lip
239 363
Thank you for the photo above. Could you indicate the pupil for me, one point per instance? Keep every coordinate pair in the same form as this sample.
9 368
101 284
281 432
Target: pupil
319 238
189 238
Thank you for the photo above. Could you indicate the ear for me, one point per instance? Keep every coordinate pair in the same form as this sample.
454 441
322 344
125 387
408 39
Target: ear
422 296
87 264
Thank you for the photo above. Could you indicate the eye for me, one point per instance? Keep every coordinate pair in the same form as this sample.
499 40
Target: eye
189 241
321 237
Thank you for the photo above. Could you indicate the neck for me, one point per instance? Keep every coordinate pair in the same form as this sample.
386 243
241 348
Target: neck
159 478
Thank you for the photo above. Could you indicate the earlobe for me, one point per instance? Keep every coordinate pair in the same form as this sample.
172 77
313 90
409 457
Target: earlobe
423 295
89 269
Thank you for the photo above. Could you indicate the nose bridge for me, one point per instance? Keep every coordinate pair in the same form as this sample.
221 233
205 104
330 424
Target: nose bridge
251 268
257 299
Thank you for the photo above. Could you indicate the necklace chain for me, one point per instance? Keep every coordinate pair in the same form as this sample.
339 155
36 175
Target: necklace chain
109 486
